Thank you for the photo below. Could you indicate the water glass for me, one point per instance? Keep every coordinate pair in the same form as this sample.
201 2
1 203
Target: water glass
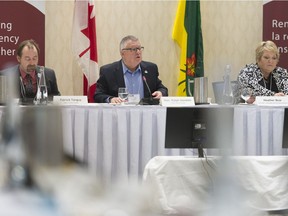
123 94
246 94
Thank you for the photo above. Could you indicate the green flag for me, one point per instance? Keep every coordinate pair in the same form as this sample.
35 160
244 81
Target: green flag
187 33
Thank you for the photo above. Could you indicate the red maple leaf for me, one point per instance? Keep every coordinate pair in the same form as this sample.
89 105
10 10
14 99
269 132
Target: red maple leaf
90 33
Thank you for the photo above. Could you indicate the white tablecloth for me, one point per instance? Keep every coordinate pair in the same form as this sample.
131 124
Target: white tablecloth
118 141
258 130
179 183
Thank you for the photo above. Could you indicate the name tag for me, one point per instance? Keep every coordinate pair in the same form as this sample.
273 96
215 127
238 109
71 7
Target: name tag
133 98
70 100
177 101
271 100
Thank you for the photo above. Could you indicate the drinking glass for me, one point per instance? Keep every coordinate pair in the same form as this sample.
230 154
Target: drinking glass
123 94
246 94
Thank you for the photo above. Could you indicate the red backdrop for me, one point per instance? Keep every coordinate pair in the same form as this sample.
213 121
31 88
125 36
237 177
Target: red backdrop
19 20
275 27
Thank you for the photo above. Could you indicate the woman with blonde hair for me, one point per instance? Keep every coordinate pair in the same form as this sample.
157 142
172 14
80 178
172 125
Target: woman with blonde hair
264 78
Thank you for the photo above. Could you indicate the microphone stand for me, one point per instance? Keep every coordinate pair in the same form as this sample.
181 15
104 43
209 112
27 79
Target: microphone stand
150 100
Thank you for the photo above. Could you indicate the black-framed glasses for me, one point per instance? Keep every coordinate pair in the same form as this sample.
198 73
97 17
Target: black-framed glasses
134 49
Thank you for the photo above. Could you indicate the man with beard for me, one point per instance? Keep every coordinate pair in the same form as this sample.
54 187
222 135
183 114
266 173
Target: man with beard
28 72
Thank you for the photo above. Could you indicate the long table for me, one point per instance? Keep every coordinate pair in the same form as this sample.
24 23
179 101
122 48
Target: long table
118 141
235 185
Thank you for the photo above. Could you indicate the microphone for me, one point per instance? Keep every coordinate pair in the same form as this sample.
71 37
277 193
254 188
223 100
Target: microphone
145 81
22 88
150 100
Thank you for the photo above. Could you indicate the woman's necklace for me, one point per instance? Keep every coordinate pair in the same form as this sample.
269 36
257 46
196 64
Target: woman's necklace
265 81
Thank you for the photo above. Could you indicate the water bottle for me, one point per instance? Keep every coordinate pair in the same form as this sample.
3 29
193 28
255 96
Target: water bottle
227 97
41 97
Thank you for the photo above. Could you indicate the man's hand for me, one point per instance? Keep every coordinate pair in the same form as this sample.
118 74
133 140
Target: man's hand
157 94
116 100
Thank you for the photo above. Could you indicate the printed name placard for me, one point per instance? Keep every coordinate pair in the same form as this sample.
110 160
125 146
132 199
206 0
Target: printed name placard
70 100
177 101
271 100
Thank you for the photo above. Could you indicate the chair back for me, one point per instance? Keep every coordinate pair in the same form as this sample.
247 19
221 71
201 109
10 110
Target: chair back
218 90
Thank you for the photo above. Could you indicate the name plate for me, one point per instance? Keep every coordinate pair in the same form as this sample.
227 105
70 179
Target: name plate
177 101
271 100
70 100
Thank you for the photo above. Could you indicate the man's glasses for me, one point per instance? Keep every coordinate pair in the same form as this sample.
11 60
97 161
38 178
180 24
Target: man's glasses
134 49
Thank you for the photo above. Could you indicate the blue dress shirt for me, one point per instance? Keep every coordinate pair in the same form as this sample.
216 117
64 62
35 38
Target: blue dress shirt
133 81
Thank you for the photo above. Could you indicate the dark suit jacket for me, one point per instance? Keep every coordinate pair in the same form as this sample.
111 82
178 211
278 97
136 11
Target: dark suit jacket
111 78
50 78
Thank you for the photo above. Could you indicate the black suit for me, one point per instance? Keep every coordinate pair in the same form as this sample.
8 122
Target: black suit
50 78
111 78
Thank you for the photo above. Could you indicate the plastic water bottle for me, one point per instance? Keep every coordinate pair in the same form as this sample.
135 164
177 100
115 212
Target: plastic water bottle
41 97
227 97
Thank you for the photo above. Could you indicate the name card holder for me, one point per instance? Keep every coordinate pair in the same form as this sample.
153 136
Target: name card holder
71 100
271 100
177 101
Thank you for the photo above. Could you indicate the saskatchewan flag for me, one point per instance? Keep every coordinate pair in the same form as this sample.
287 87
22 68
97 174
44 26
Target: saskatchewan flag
188 35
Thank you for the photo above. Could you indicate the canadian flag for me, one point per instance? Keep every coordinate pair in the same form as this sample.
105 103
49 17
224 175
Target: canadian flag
84 44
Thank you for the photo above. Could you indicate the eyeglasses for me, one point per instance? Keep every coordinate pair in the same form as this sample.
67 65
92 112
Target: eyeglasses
134 49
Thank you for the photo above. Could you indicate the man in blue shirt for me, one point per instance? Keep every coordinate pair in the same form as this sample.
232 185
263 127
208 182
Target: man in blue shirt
139 77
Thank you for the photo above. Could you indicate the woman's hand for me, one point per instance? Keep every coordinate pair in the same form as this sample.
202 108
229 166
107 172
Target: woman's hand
279 94
251 100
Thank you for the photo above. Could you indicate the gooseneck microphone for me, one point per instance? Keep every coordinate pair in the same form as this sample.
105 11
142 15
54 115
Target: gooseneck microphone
22 88
145 81
150 100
